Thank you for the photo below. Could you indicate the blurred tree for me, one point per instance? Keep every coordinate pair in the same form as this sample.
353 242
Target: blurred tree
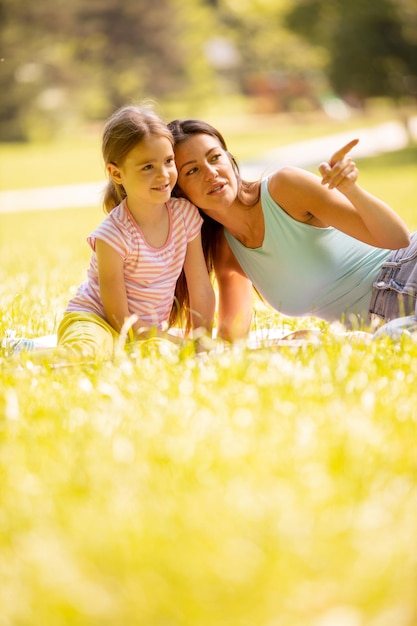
35 77
277 67
371 46
63 62
127 50
69 61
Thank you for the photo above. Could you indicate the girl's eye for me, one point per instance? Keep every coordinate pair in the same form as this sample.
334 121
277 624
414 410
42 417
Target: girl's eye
147 167
216 157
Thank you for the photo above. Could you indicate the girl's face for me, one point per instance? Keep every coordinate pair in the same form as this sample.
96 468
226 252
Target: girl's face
148 173
205 172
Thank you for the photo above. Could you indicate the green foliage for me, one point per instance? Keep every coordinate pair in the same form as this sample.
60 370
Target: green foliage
80 61
371 47
64 63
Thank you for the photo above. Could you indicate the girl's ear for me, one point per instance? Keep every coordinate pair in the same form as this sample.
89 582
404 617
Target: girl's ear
114 173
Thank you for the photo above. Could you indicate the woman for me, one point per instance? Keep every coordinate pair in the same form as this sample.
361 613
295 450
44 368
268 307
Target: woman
309 246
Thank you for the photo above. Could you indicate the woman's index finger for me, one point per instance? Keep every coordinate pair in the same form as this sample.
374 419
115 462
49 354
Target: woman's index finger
342 152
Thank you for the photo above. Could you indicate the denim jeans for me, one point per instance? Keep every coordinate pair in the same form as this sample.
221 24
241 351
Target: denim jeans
395 329
395 287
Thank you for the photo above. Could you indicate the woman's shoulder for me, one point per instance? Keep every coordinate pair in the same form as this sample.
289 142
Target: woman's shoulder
287 175
291 184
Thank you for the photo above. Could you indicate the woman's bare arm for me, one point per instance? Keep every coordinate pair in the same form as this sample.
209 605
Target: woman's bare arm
235 295
200 289
337 200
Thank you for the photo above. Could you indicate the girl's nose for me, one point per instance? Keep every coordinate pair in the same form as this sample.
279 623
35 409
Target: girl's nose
163 171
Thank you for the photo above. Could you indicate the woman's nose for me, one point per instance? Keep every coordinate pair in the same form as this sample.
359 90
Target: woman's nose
210 172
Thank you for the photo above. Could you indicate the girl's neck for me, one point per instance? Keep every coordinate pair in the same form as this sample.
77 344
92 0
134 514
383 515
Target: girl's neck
146 214
153 222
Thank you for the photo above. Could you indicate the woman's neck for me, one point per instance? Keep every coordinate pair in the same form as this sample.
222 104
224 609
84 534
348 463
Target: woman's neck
245 223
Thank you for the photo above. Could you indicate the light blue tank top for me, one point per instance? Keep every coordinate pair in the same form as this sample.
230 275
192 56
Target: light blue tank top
304 270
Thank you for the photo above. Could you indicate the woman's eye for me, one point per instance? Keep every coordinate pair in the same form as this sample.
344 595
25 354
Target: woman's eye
191 171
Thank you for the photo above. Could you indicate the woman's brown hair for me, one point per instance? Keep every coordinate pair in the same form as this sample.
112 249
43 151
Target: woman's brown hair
248 192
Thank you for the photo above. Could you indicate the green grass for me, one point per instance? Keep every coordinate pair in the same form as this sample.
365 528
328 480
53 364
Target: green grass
43 165
270 487
392 177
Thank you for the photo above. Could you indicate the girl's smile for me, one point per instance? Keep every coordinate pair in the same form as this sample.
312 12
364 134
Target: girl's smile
163 188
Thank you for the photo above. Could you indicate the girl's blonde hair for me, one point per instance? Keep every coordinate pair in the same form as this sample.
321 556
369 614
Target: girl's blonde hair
127 127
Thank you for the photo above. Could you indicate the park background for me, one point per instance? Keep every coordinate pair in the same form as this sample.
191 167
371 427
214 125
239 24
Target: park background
268 487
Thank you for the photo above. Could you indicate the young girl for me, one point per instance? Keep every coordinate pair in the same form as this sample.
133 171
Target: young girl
139 250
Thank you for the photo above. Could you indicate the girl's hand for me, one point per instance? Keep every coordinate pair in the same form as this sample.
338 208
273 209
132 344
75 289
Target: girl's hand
340 172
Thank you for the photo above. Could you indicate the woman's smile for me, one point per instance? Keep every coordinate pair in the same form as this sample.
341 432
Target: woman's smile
218 188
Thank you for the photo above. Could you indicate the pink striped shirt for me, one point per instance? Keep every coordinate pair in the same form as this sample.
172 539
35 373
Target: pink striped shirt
150 273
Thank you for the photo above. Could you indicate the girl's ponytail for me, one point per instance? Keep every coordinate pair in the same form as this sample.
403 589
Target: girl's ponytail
113 195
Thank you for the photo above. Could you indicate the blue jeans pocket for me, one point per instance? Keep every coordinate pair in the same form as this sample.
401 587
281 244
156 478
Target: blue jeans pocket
395 288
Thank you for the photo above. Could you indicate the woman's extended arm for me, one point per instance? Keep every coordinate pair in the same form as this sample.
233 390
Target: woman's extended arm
337 200
200 289
235 295
381 220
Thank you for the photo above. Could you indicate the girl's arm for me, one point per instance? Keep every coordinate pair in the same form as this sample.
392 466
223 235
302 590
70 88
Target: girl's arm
200 289
113 292
235 295
337 200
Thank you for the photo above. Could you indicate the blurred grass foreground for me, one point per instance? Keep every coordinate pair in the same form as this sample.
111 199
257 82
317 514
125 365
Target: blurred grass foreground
269 487
257 487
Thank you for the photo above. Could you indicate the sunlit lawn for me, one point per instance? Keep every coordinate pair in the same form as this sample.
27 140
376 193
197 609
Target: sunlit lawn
270 487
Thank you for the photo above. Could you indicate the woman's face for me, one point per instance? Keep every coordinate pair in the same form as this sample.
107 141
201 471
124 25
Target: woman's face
205 172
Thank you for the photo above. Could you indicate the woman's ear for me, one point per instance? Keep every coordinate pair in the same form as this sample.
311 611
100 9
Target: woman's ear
114 173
